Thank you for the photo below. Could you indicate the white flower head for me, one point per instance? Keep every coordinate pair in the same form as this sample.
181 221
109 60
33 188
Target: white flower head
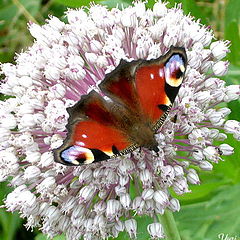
68 60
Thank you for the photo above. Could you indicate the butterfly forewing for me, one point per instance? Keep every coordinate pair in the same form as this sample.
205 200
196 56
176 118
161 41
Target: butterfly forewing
157 83
119 85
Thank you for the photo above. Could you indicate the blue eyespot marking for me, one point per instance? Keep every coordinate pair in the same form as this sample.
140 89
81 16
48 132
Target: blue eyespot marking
174 69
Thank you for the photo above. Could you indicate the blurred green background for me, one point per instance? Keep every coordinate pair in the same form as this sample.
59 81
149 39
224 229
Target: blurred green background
213 207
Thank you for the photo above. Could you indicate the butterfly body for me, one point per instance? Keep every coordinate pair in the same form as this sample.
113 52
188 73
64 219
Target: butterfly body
140 132
139 95
134 126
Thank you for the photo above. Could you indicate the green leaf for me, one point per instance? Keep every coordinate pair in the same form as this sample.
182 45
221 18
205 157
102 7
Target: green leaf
108 3
142 223
13 26
232 34
10 223
10 13
32 6
230 167
74 3
150 3
44 237
113 3
190 6
232 11
199 193
206 220
2 98
234 106
7 14
232 21
233 74
55 9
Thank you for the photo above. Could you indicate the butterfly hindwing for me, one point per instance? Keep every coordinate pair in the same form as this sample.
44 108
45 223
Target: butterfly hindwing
92 134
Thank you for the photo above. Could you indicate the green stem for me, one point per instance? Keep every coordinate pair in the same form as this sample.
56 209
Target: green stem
25 12
169 225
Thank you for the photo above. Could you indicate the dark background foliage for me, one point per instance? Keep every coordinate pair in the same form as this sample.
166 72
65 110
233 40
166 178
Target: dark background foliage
214 206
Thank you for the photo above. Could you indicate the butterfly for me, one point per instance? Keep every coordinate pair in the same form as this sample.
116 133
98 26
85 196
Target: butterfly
138 95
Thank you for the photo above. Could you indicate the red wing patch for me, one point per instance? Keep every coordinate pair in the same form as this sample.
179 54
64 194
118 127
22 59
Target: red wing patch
150 84
91 134
92 141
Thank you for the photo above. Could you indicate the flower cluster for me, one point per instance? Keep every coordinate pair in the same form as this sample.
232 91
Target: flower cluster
70 59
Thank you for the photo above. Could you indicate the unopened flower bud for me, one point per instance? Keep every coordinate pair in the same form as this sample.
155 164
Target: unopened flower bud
155 230
131 227
220 68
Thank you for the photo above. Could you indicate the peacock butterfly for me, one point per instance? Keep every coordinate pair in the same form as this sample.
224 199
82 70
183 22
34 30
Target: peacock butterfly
139 96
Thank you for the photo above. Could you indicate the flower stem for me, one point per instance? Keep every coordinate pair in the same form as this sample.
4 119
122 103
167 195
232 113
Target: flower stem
25 12
169 225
